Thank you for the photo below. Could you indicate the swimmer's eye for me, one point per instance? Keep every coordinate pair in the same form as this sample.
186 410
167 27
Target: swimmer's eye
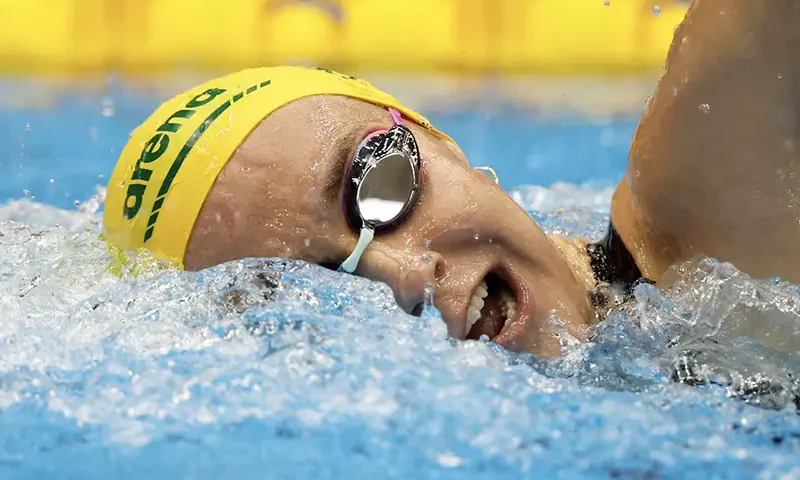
382 182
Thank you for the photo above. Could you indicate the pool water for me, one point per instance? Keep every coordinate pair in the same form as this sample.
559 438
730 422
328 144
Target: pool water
271 368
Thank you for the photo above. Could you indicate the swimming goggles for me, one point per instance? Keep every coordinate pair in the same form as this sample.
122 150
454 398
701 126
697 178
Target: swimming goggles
382 184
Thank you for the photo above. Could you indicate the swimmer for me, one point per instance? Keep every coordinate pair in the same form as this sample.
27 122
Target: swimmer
319 166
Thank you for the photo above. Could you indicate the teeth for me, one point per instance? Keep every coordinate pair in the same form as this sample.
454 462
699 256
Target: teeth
476 302
508 307
482 290
473 314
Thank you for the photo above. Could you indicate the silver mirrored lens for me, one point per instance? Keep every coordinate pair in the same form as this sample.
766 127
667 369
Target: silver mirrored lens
386 189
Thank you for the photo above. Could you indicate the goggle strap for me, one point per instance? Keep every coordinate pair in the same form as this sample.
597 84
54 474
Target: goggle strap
350 264
491 172
397 118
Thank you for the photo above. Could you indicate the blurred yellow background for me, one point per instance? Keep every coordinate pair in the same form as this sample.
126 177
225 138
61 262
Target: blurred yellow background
462 36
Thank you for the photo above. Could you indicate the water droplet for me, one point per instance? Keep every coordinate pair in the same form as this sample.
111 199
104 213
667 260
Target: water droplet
477 237
427 243
307 242
52 180
427 258
704 107
27 127
607 137
656 9
448 459
100 176
434 321
484 338
685 77
606 2
76 202
26 192
108 107
428 292
674 91
780 76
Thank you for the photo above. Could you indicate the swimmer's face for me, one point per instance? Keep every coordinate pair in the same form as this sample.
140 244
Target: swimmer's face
280 195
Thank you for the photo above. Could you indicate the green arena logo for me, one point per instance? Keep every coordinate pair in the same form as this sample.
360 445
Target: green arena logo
158 144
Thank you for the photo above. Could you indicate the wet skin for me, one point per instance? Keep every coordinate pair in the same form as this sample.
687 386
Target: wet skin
719 181
713 168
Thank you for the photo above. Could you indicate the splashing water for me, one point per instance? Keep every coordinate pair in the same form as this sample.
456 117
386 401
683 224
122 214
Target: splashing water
279 369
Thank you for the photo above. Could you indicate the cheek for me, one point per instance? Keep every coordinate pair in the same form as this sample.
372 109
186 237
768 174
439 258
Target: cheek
451 193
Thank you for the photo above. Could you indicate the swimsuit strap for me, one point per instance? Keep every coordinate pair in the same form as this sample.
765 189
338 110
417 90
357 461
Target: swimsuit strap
613 264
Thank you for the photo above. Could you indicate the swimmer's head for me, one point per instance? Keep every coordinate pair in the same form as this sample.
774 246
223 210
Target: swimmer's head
259 164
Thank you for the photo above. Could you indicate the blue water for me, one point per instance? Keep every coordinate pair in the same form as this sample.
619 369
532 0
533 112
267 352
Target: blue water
266 368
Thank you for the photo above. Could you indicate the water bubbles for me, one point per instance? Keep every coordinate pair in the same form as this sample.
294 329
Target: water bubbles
307 242
484 338
27 127
427 258
52 180
26 192
704 107
427 243
656 9
606 2
477 237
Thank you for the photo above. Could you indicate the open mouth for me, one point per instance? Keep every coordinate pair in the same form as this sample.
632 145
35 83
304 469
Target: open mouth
493 306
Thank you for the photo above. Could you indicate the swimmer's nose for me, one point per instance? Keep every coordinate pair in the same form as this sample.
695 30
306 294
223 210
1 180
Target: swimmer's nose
407 273
413 282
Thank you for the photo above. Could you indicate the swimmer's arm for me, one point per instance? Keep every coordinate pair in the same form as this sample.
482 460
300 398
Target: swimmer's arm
713 164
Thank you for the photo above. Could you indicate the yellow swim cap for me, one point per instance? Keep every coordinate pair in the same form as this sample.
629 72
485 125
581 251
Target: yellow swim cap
171 161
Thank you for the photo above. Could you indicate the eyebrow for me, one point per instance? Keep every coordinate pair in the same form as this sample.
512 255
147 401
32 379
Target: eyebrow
339 161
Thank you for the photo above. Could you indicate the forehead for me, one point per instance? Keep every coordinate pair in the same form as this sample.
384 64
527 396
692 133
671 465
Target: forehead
298 135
